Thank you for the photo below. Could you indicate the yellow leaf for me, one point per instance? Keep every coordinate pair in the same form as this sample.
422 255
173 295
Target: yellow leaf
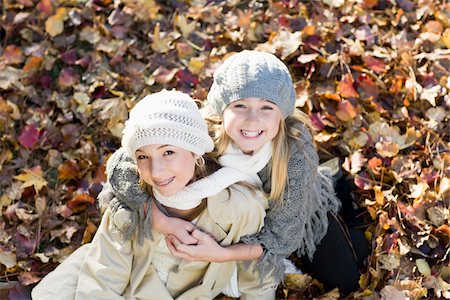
196 65
160 44
446 37
185 27
54 25
32 177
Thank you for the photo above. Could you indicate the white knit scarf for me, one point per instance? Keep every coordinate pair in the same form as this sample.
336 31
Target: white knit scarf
237 166
233 157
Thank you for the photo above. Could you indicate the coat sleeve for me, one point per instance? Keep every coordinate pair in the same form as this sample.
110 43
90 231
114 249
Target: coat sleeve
106 269
239 211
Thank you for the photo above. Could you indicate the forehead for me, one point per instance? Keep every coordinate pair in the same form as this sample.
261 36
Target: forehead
255 100
159 147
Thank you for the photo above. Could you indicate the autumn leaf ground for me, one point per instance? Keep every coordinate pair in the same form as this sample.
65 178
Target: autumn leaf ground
373 75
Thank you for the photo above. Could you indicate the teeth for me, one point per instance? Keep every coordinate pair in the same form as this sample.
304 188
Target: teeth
165 182
251 133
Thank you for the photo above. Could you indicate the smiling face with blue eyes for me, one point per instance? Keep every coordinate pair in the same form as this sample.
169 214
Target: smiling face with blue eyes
167 168
251 123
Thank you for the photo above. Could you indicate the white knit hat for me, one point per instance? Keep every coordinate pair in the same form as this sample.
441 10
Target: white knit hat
166 117
252 74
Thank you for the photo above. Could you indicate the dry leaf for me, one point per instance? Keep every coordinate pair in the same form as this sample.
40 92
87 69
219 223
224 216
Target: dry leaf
32 177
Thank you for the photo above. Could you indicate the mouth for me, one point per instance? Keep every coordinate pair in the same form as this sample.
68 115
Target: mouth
251 134
163 183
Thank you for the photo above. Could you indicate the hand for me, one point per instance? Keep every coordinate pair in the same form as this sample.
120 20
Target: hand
207 249
181 230
177 227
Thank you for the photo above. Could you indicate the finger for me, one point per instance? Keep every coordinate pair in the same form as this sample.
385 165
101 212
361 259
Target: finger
188 239
198 234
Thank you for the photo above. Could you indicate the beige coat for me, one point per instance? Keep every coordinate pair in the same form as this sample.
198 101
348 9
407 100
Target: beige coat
110 268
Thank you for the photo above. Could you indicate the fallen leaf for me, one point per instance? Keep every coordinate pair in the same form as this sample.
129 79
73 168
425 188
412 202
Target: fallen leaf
345 87
13 55
346 111
32 177
54 25
69 170
46 7
29 136
80 202
186 27
446 38
68 77
374 64
33 64
7 258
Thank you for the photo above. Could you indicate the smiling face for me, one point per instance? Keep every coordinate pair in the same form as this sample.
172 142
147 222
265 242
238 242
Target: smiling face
166 168
251 123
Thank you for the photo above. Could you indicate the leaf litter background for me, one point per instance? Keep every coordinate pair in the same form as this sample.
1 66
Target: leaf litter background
373 75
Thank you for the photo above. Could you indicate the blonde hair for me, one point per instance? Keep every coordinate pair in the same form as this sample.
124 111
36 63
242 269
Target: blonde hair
278 165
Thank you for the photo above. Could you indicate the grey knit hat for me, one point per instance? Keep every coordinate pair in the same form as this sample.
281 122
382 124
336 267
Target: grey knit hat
166 117
252 74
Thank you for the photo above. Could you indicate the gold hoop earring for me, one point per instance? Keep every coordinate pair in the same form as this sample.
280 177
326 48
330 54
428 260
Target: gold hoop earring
200 162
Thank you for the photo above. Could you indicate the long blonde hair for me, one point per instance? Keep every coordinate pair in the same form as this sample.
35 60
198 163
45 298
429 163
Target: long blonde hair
278 165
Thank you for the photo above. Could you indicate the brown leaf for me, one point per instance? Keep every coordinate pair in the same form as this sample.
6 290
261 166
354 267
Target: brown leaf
69 170
345 87
346 111
89 232
13 55
32 64
68 77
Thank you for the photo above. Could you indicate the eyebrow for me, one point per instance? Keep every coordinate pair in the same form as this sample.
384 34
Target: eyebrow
162 146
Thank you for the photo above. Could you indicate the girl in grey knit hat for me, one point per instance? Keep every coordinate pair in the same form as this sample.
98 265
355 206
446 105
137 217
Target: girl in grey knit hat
252 100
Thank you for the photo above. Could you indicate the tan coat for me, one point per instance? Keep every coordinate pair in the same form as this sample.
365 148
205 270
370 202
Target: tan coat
110 268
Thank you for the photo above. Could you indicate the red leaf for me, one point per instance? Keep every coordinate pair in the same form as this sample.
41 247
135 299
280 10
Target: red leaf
80 202
345 87
376 65
46 7
188 78
29 136
367 85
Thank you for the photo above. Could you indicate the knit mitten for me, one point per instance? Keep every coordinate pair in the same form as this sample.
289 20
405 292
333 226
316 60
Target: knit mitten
123 177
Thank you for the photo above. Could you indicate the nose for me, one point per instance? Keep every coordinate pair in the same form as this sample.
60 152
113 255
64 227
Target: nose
251 116
156 168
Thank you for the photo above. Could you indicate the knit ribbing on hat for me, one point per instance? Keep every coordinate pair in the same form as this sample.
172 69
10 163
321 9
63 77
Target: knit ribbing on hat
166 118
252 74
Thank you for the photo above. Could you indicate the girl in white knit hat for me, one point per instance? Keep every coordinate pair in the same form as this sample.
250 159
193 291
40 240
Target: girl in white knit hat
167 139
